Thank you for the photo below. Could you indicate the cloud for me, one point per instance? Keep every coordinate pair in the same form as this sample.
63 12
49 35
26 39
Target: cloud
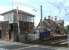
20 1
4 8
66 23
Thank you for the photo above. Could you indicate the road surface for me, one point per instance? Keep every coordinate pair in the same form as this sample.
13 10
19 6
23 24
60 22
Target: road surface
37 48
21 46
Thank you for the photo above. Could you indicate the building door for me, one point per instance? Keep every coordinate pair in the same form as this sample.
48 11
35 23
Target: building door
0 33
10 31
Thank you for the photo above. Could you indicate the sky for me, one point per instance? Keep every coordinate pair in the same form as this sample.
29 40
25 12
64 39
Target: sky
59 8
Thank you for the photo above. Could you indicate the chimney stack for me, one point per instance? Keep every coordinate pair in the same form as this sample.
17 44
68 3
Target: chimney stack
49 17
55 18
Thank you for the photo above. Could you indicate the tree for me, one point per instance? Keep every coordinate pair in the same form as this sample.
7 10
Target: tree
66 29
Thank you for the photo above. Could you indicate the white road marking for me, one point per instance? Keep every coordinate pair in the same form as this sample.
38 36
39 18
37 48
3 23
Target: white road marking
34 46
27 47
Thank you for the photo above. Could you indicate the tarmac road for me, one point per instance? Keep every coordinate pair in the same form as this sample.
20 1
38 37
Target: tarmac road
37 48
21 46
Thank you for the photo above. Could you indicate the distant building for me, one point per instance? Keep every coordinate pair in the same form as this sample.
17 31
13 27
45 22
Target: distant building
52 28
14 16
60 24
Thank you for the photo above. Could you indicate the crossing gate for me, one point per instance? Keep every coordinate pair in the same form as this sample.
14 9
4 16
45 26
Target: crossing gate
43 35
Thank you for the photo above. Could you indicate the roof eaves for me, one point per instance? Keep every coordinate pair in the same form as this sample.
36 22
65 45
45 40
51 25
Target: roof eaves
18 10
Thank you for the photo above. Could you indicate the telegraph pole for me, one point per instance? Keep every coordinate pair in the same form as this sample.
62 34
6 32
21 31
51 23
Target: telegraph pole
18 23
40 30
41 12
41 17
